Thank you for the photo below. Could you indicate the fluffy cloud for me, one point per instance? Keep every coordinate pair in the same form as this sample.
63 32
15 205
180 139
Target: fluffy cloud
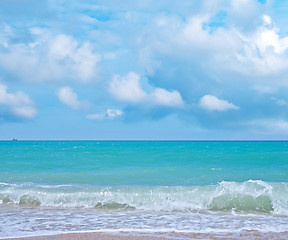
19 103
267 37
80 59
166 98
49 58
194 35
109 114
128 89
263 52
220 43
67 96
181 52
213 103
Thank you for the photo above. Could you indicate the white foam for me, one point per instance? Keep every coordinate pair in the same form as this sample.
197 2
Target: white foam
255 196
29 221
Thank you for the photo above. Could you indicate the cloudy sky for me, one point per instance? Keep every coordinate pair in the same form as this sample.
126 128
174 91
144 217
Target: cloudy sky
135 69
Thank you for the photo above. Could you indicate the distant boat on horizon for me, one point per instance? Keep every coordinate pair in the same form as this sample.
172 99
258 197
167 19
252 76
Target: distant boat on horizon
15 139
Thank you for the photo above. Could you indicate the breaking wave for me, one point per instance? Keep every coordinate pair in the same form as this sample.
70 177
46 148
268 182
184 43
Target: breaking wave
250 196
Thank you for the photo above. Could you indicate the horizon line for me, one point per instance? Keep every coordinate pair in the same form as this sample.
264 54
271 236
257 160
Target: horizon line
151 140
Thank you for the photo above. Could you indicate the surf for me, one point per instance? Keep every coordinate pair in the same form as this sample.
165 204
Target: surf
245 197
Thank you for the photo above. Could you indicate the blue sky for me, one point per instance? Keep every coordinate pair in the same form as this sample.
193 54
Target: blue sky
89 69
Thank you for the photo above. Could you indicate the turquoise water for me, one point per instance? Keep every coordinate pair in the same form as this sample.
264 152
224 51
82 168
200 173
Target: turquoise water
142 163
207 185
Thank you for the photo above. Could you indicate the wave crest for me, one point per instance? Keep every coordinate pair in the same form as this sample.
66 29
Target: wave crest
249 196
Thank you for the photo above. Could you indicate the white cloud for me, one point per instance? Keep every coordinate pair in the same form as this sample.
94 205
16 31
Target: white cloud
67 96
25 111
196 35
127 88
210 102
109 114
18 103
245 41
267 36
112 113
62 46
235 46
258 52
79 58
263 51
50 58
166 98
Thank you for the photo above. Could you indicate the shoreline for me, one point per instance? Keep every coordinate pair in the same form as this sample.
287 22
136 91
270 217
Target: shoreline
247 235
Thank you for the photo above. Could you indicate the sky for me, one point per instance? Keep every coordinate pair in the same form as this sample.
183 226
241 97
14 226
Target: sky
152 70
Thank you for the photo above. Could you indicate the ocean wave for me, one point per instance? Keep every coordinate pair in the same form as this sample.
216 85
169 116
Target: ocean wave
253 196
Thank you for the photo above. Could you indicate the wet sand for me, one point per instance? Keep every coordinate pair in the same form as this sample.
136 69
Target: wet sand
247 235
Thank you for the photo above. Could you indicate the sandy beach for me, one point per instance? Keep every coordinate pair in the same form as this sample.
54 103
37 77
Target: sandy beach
247 235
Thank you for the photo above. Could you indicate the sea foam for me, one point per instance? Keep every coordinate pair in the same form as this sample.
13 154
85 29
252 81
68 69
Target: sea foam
250 196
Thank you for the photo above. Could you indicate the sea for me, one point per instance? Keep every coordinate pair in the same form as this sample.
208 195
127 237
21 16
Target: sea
52 187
